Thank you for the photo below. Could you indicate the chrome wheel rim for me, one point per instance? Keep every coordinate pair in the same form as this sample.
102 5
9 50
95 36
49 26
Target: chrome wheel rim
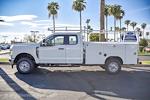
113 67
24 66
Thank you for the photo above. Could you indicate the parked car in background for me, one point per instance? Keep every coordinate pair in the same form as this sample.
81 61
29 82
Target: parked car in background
130 37
4 46
147 49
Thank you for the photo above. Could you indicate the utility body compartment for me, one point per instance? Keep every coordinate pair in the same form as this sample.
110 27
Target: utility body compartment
98 52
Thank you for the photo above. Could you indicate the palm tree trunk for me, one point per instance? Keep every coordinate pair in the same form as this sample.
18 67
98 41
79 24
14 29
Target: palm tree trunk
80 21
143 33
120 29
102 16
114 29
106 27
53 23
127 27
120 25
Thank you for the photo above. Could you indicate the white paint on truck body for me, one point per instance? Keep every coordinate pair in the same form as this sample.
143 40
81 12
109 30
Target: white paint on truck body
95 52
98 52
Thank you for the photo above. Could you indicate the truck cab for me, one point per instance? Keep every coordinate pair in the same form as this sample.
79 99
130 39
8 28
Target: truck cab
61 49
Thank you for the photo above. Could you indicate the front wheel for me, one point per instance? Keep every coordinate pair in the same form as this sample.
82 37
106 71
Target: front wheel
25 65
113 66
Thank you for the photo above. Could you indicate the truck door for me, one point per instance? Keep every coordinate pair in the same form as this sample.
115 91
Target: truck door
74 50
53 51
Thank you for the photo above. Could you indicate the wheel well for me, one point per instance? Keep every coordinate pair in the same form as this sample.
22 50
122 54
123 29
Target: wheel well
113 57
23 55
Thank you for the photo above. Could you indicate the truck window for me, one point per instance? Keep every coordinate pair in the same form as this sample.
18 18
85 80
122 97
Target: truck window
72 40
58 40
55 40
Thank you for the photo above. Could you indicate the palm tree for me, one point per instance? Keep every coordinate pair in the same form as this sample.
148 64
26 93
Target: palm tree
127 22
147 34
107 13
115 11
139 31
79 6
117 29
133 24
122 13
102 15
53 8
123 29
143 26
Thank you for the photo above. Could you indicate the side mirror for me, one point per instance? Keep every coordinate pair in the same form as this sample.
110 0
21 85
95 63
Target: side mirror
43 42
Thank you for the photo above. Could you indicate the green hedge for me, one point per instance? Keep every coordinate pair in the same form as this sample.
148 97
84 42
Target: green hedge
95 37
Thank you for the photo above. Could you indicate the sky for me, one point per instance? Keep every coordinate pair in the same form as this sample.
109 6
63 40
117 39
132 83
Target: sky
22 16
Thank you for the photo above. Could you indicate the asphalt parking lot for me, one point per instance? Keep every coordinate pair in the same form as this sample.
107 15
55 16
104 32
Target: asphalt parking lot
75 83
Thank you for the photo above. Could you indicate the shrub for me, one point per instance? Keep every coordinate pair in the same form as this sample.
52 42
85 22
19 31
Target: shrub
95 37
143 43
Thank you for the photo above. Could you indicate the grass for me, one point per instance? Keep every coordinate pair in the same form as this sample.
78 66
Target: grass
4 60
4 52
145 62
144 54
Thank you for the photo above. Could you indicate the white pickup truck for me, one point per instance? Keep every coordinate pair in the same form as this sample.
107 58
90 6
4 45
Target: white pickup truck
69 49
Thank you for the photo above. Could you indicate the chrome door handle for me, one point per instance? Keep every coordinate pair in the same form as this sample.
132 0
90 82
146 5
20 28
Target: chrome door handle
60 48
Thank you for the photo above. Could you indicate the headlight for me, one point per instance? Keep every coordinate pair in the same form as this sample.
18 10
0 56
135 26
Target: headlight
11 51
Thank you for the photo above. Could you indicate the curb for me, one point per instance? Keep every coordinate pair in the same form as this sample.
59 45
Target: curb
137 65
140 65
4 53
4 63
143 55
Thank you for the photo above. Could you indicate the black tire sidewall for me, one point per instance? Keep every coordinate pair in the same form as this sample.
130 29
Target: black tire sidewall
29 61
113 60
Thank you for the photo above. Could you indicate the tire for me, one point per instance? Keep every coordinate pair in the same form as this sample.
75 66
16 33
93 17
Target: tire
25 65
36 65
113 66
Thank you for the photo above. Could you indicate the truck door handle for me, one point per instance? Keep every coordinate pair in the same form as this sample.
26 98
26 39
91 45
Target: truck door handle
60 48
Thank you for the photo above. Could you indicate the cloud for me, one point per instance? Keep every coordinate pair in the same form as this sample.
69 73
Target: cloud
6 24
29 23
42 21
140 10
18 18
34 24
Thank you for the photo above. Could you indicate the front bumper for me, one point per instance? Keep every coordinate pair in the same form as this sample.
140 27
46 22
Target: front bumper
11 61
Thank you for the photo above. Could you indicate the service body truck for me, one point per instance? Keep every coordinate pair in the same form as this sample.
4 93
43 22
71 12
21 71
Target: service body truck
70 49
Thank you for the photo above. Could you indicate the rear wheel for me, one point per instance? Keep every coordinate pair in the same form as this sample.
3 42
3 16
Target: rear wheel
113 66
25 65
